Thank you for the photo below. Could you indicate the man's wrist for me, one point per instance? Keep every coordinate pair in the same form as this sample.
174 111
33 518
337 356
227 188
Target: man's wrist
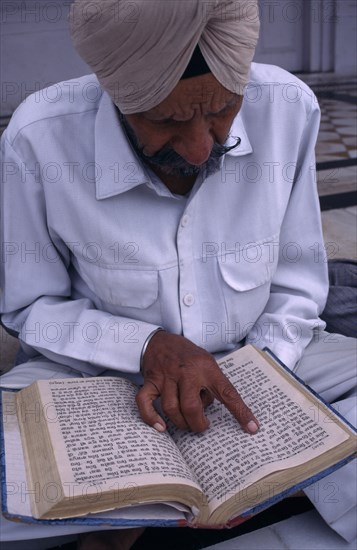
146 343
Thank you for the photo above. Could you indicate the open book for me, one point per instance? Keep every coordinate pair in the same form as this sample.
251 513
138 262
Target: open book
87 451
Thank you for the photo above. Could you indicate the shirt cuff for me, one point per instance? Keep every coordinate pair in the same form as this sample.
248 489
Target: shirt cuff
120 346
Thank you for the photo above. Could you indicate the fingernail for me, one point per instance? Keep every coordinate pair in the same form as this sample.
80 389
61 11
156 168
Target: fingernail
252 427
159 427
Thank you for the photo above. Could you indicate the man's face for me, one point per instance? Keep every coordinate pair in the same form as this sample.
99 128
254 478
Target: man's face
187 130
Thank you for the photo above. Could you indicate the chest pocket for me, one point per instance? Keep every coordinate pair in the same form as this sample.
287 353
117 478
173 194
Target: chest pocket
121 288
246 281
246 276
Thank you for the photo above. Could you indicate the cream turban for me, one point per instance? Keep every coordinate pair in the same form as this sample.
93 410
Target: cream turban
139 49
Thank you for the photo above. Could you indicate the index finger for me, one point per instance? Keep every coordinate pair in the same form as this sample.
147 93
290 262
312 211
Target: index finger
145 401
227 394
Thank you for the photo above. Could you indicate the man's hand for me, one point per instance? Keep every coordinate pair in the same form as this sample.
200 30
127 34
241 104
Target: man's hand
187 378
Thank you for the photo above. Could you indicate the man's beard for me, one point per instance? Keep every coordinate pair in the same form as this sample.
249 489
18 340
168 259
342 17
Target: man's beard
171 163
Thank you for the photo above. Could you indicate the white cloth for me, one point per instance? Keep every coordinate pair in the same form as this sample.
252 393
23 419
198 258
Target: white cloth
98 253
329 367
139 50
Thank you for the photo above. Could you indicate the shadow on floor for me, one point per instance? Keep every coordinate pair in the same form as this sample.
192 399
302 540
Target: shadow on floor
196 539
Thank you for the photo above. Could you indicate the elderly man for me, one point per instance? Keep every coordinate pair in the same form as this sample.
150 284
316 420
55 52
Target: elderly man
153 219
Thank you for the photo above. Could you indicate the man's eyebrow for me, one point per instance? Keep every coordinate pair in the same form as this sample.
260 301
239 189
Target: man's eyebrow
159 117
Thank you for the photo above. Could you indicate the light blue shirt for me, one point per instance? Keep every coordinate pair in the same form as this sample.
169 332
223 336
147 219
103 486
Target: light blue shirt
97 252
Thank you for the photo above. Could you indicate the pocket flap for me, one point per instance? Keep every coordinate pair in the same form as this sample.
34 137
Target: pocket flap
254 266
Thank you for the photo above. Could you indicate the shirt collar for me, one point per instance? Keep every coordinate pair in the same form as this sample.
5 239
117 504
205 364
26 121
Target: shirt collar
118 169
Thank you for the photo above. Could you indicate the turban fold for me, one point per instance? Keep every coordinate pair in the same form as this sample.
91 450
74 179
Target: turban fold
140 49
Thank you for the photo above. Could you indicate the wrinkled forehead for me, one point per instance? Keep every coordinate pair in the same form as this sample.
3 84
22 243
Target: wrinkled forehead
203 92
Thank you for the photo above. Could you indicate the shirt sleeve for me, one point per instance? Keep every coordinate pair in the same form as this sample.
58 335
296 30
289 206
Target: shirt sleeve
300 284
35 298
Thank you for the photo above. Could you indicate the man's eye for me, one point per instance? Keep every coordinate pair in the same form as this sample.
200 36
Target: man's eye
225 111
163 121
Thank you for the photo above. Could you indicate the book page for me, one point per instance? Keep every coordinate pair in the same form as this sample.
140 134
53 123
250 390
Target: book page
101 442
16 491
225 459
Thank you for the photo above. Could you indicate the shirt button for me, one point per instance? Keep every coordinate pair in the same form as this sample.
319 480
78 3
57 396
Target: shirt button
188 299
184 221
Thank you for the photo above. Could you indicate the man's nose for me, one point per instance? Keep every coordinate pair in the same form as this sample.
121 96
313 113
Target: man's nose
194 142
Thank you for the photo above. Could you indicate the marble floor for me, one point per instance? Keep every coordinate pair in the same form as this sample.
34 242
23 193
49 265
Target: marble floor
336 162
338 131
336 148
